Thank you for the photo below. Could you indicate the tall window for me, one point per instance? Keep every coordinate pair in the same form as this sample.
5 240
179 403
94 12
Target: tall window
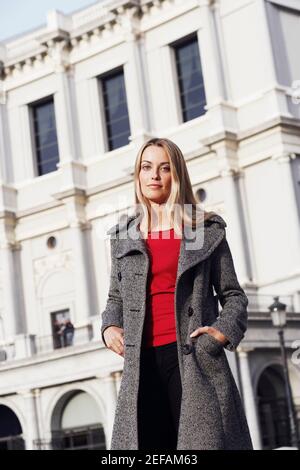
190 79
115 107
45 136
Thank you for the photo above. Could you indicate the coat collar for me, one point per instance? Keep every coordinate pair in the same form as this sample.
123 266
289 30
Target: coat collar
195 246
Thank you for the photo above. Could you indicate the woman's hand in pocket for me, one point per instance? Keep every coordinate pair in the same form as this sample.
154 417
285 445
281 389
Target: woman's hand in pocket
211 331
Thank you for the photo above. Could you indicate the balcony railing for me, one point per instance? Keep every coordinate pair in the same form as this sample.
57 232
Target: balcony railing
88 438
12 443
261 302
46 344
27 346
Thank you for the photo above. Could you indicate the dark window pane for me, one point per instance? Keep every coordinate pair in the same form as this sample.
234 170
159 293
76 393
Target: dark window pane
190 78
193 99
44 114
116 110
45 137
48 151
47 158
116 142
120 126
192 113
47 167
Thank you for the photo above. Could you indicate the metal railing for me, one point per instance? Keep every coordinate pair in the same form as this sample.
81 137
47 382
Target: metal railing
31 345
88 438
12 443
261 302
46 344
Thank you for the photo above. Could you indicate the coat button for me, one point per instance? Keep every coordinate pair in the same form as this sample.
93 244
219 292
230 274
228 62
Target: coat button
187 348
190 311
119 276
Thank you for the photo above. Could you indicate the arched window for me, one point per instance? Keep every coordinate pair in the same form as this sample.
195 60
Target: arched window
78 424
272 407
10 430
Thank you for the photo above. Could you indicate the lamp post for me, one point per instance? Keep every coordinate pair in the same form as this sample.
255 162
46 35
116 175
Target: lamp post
278 315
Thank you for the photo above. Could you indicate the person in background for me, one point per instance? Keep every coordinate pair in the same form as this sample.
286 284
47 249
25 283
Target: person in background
68 333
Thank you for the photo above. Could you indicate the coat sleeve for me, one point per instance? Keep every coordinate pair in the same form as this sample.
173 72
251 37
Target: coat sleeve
232 320
113 313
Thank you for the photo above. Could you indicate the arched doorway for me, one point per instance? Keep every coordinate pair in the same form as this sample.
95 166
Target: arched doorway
272 407
77 423
10 430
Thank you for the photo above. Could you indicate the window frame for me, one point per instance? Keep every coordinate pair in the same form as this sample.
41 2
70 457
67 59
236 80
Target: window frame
104 118
35 148
175 45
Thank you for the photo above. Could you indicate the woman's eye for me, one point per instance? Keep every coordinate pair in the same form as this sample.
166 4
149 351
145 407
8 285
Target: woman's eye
164 168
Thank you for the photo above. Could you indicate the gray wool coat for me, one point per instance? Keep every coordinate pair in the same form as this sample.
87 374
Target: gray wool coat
212 414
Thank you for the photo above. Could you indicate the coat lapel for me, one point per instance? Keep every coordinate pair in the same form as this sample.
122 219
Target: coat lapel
195 246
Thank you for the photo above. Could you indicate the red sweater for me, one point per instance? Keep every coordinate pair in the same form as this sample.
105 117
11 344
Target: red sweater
160 314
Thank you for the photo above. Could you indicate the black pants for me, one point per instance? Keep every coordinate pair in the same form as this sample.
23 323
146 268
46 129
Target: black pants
159 398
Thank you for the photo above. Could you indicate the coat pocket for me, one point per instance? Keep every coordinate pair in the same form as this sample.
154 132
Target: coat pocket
210 344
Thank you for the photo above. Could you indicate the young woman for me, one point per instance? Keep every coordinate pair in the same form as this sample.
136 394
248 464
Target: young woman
177 390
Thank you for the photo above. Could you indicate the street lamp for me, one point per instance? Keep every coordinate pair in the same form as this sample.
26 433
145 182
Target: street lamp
278 315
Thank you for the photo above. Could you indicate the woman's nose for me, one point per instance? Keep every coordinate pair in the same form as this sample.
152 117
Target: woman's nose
155 174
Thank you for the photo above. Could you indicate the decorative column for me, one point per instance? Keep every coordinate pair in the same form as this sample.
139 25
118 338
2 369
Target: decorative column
39 413
32 426
269 29
14 319
229 171
86 304
93 125
210 54
8 195
136 77
58 46
3 131
249 398
84 307
296 301
286 205
232 361
234 220
118 377
111 401
221 111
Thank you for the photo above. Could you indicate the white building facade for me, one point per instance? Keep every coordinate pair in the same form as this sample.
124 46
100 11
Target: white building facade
78 97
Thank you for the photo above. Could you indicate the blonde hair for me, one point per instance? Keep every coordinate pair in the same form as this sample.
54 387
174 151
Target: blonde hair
181 195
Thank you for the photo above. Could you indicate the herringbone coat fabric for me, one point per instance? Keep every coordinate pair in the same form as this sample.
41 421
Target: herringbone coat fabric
212 414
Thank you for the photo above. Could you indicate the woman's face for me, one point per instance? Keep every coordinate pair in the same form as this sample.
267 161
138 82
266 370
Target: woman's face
155 170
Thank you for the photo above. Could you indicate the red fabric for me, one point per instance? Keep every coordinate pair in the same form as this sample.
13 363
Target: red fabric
163 250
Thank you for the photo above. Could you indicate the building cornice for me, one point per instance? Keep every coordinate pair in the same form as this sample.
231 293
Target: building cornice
68 29
105 20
